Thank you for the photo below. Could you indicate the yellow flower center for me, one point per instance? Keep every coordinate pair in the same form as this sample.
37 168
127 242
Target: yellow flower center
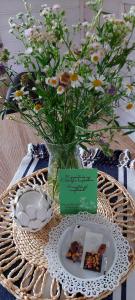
95 58
97 82
74 77
53 81
65 78
129 105
130 87
38 106
60 89
19 93
24 78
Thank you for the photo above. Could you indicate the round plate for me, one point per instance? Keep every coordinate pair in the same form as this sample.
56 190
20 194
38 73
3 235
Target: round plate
76 280
115 204
75 268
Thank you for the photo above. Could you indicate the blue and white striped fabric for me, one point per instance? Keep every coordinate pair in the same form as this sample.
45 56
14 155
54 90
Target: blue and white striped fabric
37 158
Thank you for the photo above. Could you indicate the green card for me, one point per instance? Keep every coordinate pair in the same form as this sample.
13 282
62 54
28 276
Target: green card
78 190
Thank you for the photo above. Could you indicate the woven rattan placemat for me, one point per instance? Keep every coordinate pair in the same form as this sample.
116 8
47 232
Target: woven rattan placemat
23 267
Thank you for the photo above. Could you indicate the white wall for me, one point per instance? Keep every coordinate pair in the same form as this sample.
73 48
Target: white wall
12 7
75 11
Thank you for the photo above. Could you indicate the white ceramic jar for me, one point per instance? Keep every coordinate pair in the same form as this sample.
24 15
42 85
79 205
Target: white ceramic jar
32 208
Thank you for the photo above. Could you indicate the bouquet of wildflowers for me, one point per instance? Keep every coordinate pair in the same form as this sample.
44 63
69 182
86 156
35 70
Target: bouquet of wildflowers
67 88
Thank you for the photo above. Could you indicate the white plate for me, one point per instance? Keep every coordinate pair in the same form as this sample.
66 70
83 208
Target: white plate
76 280
75 268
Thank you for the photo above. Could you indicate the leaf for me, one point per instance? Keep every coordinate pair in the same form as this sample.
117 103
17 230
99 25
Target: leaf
128 132
131 124
120 59
84 147
105 12
2 114
117 123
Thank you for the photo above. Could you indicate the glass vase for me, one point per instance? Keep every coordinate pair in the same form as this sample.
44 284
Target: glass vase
61 156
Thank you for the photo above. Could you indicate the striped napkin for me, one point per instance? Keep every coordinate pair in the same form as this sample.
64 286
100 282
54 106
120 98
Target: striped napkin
120 166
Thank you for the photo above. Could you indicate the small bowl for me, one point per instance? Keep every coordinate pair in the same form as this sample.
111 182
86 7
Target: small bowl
32 208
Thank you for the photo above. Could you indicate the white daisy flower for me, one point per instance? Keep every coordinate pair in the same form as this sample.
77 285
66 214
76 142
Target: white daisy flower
74 26
60 90
95 46
47 80
88 34
37 81
13 25
109 17
130 89
28 50
56 7
96 57
40 50
28 32
34 88
19 15
85 24
45 11
129 26
11 31
37 107
96 83
76 80
18 94
11 19
46 68
132 11
54 26
53 81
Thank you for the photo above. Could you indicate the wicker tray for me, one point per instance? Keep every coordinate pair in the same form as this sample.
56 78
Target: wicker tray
23 267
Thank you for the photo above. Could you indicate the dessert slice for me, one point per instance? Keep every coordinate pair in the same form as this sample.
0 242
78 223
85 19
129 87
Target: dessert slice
93 261
75 252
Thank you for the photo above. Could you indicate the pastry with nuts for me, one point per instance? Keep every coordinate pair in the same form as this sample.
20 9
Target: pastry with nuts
93 261
75 252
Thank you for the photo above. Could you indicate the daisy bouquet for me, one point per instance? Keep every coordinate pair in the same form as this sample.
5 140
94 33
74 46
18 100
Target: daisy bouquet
66 88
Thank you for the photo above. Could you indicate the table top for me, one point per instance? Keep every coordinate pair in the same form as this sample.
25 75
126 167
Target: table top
23 267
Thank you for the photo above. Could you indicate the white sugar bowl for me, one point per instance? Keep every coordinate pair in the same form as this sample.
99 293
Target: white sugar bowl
32 208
